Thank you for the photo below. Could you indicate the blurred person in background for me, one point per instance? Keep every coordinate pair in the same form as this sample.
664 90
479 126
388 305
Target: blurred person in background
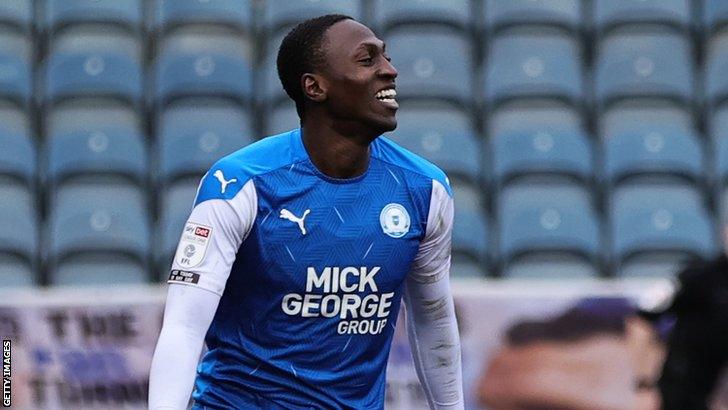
697 349
597 355
301 246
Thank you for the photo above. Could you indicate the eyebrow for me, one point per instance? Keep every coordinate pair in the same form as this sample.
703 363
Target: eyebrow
370 45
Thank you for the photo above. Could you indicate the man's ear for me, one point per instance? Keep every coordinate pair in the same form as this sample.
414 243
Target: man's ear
314 87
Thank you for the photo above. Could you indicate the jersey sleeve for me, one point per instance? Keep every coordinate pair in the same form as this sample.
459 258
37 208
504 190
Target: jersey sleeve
431 323
213 233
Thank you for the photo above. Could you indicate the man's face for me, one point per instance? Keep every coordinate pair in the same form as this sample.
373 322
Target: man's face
358 78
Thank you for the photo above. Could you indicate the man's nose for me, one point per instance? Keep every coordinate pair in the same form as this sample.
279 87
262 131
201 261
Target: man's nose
388 70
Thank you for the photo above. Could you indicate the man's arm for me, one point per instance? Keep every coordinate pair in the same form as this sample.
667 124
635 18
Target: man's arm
187 316
211 238
431 323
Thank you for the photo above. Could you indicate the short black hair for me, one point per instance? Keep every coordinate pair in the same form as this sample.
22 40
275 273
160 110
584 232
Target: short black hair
300 52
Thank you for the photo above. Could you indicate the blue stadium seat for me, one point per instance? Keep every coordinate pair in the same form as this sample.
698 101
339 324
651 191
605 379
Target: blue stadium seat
461 267
176 204
455 13
717 69
17 14
194 64
17 157
281 14
643 140
93 62
470 234
231 13
661 222
551 220
63 13
271 92
15 67
531 140
101 140
467 196
193 136
715 14
98 229
432 63
560 13
654 65
612 13
533 65
19 234
443 135
283 118
542 152
719 134
15 272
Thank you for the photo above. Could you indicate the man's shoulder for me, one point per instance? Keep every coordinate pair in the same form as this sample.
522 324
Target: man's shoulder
236 169
390 152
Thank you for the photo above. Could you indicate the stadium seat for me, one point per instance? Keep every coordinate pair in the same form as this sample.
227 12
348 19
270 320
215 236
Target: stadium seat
193 136
715 15
470 234
432 63
719 136
63 13
536 123
283 118
94 62
19 236
560 13
15 272
467 196
17 14
271 92
642 140
612 13
542 152
235 14
17 157
98 229
533 65
443 135
15 67
280 14
656 226
653 65
95 140
462 268
199 64
454 13
556 221
717 69
176 204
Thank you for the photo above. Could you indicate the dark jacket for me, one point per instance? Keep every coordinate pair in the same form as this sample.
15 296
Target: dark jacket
698 344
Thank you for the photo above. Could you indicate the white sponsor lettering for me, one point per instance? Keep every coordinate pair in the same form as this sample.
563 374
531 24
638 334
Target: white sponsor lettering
336 292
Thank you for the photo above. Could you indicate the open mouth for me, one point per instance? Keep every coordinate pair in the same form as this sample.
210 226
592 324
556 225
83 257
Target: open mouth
387 98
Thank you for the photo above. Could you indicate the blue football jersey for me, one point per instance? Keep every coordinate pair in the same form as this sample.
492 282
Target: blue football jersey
310 269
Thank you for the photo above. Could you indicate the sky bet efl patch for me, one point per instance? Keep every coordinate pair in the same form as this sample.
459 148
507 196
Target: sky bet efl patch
193 245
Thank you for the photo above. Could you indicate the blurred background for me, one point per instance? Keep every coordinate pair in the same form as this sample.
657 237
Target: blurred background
586 142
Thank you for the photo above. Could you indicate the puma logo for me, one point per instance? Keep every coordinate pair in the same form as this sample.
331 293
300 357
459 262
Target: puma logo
286 214
220 177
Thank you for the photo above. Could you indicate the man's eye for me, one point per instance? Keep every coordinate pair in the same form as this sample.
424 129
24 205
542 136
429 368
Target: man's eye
388 58
367 60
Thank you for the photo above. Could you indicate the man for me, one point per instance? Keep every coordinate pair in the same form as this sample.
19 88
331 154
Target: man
300 247
598 354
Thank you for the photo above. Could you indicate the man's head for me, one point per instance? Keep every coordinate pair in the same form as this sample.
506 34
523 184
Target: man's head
336 65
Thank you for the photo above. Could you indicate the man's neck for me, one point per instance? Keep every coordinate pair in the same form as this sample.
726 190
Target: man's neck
336 151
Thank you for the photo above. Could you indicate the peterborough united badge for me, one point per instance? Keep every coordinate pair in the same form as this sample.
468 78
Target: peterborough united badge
395 220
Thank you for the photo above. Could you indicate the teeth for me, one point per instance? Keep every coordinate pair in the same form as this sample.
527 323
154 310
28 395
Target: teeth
390 93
